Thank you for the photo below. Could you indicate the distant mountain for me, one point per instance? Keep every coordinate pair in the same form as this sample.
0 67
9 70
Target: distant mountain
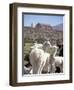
42 32
58 27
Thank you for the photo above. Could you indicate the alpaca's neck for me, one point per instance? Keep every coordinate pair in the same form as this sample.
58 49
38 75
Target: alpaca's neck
55 53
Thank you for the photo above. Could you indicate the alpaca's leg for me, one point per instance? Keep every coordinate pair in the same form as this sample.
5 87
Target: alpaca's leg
53 68
34 68
49 68
41 65
61 67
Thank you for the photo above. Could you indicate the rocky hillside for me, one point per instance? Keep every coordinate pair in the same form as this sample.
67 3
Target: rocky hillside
58 27
42 32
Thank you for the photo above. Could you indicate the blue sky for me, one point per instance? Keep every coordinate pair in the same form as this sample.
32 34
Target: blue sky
44 19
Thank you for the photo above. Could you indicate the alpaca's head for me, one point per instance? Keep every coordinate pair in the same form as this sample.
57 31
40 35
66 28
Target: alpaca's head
46 45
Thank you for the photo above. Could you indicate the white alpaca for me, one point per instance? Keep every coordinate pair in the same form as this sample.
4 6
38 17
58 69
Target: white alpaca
58 60
40 59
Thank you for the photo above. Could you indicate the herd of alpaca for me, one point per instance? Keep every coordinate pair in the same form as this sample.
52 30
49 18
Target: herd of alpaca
42 61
